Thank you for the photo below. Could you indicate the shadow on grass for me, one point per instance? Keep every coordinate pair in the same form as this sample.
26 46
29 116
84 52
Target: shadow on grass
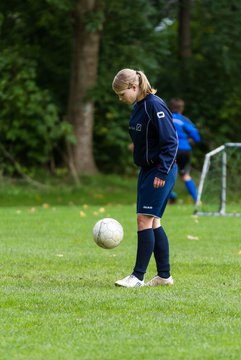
92 190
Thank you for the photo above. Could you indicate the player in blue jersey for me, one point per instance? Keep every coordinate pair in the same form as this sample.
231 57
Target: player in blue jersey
187 133
155 147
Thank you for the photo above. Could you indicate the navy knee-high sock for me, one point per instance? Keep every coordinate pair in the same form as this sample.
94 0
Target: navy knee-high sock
161 253
146 241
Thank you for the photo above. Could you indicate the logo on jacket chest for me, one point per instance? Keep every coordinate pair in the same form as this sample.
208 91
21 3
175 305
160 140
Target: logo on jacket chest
137 127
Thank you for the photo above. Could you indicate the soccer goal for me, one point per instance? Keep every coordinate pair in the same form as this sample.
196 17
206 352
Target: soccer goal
219 191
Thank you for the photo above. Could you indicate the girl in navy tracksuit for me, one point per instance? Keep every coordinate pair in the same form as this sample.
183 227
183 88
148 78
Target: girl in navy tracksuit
155 147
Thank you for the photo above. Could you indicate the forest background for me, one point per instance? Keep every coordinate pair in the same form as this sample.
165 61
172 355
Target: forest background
58 112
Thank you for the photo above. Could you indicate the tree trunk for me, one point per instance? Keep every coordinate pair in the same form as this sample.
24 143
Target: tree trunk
184 32
184 37
83 79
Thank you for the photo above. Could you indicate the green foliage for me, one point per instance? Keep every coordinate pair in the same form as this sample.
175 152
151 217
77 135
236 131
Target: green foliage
211 84
93 20
217 55
41 31
31 88
29 125
36 38
128 39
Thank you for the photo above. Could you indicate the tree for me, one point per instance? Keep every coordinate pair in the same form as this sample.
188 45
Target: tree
129 39
184 41
35 57
184 32
87 24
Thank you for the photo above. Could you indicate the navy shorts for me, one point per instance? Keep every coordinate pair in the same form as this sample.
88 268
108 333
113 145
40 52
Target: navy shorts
152 201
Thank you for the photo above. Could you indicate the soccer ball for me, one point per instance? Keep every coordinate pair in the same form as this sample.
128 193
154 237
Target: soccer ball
108 233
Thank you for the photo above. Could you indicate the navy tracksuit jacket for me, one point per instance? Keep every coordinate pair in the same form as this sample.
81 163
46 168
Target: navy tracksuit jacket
154 135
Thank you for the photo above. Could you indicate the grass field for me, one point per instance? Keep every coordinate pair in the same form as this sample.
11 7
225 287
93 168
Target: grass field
58 299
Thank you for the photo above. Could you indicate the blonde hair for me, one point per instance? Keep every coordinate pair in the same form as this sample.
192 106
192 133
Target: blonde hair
126 78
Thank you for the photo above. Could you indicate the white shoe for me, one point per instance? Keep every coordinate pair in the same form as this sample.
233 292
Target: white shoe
157 280
130 281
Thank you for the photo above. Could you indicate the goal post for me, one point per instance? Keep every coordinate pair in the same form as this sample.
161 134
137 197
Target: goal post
219 191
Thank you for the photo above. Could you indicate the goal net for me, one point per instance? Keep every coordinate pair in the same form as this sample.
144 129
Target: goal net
219 191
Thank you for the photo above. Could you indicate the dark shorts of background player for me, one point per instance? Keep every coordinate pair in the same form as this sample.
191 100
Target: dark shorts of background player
184 161
152 201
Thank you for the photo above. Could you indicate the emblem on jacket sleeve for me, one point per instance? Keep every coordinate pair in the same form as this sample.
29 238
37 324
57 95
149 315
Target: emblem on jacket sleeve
160 114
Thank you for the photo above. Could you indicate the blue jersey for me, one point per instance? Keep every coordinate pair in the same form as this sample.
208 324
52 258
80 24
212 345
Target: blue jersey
154 135
185 129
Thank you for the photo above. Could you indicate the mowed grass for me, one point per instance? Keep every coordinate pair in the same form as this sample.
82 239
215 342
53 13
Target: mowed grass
58 299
